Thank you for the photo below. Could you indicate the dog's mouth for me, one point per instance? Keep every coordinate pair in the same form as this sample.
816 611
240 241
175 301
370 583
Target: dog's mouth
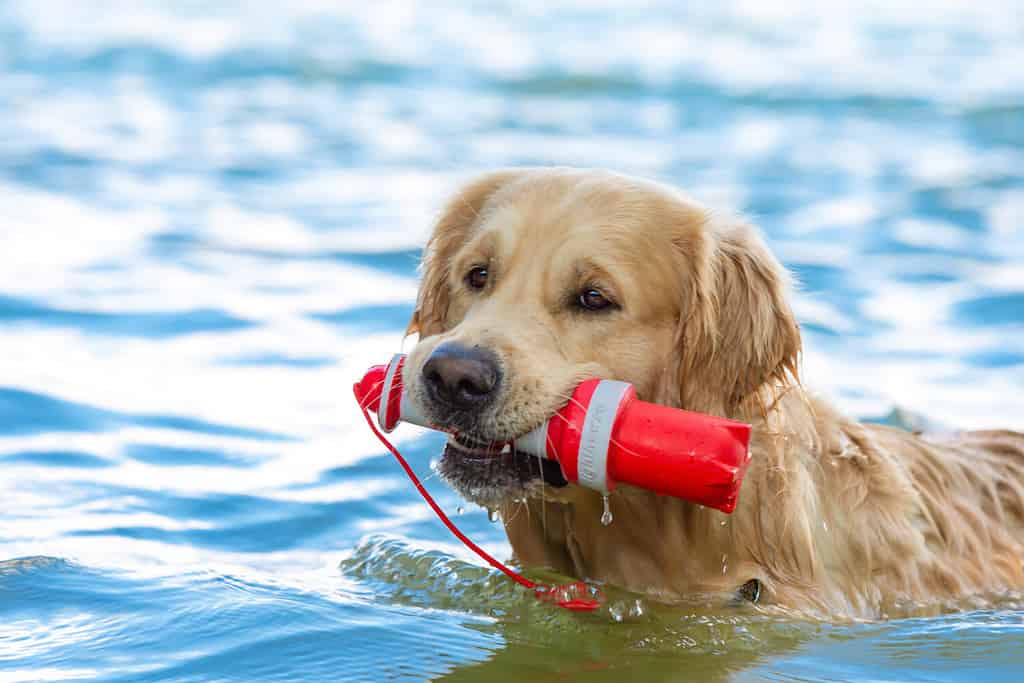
492 473
475 447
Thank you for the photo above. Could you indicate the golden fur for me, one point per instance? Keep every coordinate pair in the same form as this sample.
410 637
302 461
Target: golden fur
835 516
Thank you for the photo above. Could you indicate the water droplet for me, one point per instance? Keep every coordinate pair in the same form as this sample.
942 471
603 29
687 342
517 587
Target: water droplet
724 522
459 510
725 563
824 525
493 515
606 516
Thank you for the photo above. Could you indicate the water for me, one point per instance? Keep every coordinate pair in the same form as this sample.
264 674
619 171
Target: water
210 218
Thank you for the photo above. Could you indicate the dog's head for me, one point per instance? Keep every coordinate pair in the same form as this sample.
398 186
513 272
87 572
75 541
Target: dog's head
535 280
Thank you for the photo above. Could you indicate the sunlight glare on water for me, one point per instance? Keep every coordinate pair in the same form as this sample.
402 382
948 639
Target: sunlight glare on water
210 220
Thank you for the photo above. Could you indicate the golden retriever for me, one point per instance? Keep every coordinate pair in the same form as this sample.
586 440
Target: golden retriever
535 279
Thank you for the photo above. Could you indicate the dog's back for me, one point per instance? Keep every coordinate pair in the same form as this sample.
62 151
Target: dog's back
912 520
968 507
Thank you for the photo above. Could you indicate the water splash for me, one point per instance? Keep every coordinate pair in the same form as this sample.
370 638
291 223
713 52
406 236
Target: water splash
606 515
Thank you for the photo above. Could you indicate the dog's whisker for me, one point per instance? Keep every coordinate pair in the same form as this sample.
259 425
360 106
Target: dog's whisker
370 395
517 509
616 442
554 336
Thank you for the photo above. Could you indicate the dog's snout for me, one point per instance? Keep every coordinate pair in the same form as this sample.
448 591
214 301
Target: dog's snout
461 377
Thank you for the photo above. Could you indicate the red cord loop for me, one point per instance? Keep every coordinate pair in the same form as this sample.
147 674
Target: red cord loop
575 596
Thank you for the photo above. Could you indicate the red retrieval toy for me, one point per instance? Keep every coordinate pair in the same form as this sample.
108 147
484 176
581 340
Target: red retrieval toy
605 436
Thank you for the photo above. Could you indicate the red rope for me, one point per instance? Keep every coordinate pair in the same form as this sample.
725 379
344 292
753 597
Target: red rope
570 596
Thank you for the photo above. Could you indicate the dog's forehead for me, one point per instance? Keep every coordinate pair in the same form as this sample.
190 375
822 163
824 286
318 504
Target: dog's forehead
514 225
558 224
624 250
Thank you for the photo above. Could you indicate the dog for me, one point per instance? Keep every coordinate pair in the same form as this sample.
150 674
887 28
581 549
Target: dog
536 279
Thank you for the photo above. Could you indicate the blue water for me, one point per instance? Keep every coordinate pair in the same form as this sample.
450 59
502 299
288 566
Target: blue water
210 217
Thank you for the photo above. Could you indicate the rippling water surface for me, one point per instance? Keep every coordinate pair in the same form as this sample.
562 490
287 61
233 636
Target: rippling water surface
210 217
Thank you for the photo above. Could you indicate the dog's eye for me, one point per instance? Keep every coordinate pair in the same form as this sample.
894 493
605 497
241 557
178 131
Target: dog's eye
476 278
593 300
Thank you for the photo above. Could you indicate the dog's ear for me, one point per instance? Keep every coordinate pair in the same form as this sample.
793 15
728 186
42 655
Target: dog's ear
457 218
739 341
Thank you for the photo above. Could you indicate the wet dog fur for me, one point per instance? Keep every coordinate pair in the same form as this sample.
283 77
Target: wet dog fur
835 516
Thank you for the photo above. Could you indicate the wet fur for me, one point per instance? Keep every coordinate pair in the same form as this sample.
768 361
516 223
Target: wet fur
835 516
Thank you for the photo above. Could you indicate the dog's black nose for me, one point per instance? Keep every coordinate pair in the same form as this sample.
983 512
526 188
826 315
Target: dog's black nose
461 377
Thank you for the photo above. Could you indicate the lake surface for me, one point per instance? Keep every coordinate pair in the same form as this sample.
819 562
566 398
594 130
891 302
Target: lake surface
210 218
